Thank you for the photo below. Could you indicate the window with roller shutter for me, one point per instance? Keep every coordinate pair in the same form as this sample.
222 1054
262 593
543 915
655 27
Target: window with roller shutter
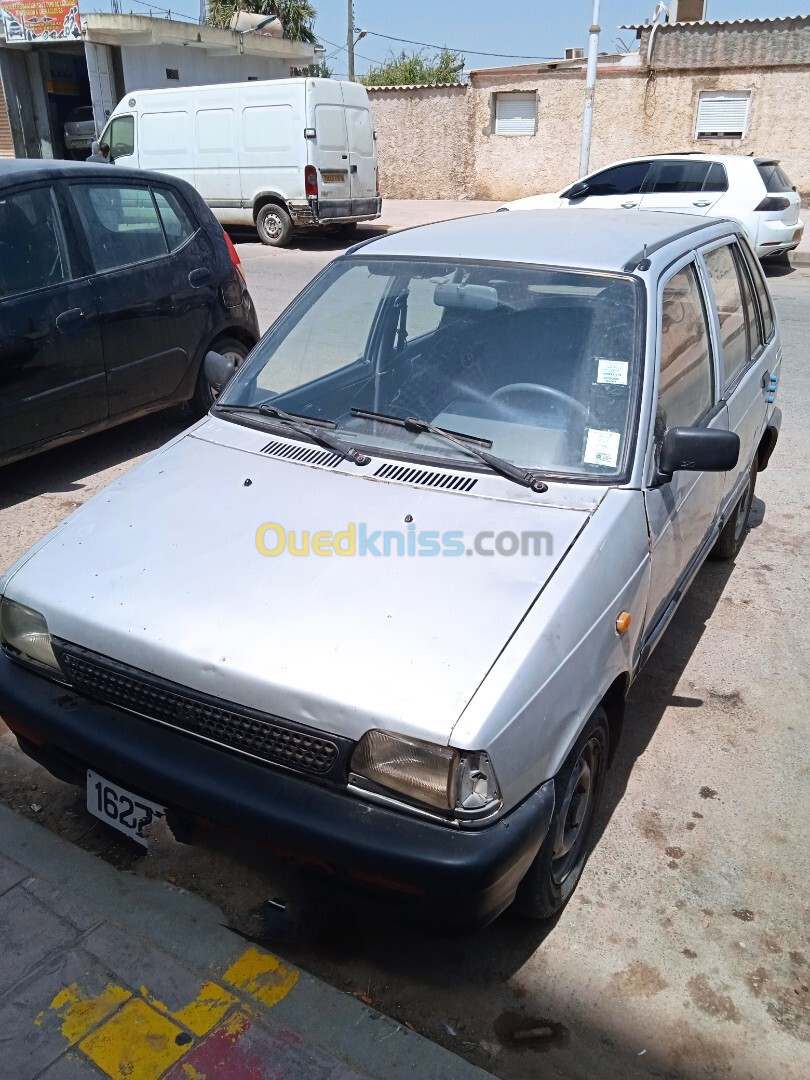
515 114
723 115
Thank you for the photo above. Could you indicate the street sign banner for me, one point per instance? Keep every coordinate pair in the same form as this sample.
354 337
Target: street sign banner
25 21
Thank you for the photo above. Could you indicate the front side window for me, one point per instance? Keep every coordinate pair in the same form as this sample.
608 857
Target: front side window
32 248
539 366
725 285
620 180
121 224
685 386
121 137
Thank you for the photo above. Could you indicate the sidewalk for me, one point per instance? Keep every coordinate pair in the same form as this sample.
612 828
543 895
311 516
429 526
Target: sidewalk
108 975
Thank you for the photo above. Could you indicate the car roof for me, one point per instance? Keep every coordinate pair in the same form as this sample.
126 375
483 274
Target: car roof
586 239
15 171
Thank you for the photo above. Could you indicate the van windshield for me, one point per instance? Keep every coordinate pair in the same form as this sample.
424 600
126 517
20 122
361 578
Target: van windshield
539 365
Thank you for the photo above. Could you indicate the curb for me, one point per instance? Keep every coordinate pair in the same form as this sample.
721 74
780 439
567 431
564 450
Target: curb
192 930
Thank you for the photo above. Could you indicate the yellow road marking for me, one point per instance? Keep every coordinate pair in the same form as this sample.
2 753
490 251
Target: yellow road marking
202 1014
135 1044
262 975
80 1013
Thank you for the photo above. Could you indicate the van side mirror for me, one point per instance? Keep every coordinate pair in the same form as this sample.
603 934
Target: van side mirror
694 449
218 370
577 190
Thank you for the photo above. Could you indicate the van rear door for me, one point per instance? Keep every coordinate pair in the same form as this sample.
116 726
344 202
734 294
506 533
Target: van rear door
362 151
329 150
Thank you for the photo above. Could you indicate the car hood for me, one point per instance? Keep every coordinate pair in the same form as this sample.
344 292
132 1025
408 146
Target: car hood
161 571
534 202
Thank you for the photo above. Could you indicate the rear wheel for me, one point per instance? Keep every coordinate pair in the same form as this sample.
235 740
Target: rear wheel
274 225
553 876
205 395
734 531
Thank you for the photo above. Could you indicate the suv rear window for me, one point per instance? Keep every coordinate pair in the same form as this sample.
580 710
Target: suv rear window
773 177
84 112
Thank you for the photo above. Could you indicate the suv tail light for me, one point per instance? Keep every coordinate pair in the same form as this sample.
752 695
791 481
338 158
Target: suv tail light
234 254
311 180
771 203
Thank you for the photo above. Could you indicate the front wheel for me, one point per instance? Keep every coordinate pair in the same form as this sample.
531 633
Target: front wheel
274 225
204 394
553 876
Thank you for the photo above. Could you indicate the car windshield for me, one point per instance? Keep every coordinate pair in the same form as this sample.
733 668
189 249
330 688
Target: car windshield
540 365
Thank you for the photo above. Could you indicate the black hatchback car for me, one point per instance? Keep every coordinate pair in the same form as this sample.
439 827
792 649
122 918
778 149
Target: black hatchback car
114 284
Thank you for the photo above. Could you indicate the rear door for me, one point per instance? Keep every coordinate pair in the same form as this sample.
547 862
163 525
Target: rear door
684 186
51 364
329 150
153 283
614 188
362 151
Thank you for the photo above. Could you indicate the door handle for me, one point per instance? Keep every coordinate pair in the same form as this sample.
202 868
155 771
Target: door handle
629 205
69 320
197 278
344 157
703 202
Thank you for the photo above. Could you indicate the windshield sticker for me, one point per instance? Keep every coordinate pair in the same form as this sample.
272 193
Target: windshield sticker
602 447
613 372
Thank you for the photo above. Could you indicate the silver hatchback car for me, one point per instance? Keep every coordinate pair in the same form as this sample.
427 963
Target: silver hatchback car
381 608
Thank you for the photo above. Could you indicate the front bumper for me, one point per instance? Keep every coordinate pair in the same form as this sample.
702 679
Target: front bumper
451 878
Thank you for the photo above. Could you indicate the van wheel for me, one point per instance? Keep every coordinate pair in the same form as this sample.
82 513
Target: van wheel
730 540
274 225
553 876
204 394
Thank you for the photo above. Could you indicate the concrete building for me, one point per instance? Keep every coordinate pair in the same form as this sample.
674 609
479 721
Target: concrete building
42 82
720 87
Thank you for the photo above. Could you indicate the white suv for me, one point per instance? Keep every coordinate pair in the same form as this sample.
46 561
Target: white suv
753 191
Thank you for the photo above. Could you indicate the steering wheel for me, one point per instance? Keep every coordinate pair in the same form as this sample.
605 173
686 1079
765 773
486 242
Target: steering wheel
558 396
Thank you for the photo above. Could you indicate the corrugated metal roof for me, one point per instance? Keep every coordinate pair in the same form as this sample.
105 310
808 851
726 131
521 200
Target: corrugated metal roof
418 86
712 22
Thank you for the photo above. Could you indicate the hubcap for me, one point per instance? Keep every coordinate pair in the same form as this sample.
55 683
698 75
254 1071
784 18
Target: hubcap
576 811
271 224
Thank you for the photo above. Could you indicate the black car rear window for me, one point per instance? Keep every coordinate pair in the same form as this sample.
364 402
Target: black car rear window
774 178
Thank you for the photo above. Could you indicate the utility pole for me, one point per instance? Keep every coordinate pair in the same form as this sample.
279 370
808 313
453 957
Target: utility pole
350 41
590 87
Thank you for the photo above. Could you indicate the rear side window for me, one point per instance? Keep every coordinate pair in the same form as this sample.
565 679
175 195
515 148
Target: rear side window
717 180
731 312
176 221
120 223
759 284
685 388
32 246
774 178
671 177
621 180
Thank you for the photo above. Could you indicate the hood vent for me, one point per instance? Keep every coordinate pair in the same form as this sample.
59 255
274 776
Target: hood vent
309 455
406 474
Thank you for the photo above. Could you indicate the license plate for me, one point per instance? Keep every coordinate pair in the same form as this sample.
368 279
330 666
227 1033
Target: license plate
333 177
128 813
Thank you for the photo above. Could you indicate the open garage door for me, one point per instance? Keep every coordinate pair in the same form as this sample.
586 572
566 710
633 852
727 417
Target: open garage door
6 141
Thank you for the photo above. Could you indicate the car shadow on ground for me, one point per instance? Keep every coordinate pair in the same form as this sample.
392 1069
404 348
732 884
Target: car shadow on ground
777 269
308 241
64 469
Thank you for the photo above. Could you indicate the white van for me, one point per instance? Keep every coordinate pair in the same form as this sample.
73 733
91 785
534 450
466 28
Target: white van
282 155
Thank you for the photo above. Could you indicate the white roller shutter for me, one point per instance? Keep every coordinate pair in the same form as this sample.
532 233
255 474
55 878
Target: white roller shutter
515 114
722 115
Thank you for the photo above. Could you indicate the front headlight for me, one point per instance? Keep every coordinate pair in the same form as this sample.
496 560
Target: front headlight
436 776
27 632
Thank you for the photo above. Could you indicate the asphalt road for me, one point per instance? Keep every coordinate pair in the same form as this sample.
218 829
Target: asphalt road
686 949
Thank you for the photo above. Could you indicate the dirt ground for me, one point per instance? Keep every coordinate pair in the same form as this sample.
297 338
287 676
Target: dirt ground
686 949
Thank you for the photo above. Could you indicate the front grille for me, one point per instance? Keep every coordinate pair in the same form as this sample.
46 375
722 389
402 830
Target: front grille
278 743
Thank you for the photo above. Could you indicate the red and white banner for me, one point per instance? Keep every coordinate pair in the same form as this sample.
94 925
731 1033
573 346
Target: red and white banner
25 21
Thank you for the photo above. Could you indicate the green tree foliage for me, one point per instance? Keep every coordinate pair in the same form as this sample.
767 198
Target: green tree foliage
414 68
317 71
297 16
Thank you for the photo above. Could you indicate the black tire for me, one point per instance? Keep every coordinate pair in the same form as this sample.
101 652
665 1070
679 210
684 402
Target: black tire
731 539
204 394
558 865
274 225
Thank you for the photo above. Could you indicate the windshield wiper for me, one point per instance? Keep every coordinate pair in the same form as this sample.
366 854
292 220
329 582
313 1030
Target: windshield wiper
347 453
465 442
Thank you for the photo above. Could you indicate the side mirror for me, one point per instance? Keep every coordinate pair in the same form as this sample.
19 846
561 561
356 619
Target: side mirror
218 370
695 449
577 191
